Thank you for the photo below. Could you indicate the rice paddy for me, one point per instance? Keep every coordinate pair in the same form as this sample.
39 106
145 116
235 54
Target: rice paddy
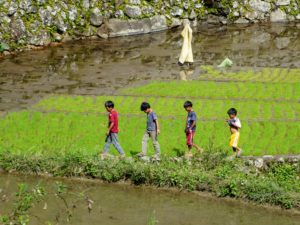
283 75
268 108
221 90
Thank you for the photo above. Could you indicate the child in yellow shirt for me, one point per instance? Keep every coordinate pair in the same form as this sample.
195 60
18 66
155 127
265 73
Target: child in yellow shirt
234 125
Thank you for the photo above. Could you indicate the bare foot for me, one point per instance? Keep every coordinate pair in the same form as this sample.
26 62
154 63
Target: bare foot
188 155
200 150
103 155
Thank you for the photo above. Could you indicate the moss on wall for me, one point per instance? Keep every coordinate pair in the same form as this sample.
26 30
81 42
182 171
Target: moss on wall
23 20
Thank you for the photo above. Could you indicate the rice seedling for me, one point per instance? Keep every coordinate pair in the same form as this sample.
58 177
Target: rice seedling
63 133
220 90
269 111
274 75
206 108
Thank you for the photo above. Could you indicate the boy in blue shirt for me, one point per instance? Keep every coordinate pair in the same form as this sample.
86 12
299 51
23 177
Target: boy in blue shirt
190 128
152 130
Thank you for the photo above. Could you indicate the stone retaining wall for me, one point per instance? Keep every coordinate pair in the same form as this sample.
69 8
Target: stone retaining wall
40 22
264 162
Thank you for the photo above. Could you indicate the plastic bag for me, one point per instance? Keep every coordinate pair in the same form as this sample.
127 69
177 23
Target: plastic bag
226 63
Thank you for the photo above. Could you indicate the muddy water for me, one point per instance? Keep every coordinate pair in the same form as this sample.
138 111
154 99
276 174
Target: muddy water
127 205
97 67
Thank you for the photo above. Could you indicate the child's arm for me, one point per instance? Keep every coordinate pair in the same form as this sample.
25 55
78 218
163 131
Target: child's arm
235 123
109 128
157 126
192 126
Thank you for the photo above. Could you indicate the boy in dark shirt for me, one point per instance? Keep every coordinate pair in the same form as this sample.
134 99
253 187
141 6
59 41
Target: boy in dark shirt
152 130
113 129
190 128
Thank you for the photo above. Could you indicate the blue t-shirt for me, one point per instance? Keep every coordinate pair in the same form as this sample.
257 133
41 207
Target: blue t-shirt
191 117
151 118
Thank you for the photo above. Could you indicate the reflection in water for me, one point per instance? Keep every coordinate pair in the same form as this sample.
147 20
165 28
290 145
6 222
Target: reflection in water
186 74
127 205
101 67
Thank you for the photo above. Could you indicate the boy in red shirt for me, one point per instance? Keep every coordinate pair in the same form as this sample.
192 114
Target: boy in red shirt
113 129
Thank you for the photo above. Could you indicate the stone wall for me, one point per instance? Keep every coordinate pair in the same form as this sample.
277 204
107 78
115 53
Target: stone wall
263 162
40 22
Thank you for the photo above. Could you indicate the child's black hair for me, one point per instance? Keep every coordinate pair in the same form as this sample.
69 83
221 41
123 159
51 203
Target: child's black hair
145 106
232 111
187 104
109 104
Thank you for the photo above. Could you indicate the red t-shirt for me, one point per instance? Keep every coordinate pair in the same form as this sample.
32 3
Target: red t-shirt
113 118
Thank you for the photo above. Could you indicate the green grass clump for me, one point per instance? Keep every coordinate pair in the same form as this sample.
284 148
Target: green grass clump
268 75
220 90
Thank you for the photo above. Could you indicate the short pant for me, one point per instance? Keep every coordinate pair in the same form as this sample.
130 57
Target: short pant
190 138
234 139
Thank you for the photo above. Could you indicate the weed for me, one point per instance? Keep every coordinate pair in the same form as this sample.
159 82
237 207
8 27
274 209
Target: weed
25 200
277 185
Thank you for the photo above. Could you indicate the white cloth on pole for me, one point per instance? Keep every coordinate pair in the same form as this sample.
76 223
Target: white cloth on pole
186 51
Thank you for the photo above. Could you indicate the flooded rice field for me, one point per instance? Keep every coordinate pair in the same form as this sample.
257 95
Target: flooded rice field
127 205
98 67
103 67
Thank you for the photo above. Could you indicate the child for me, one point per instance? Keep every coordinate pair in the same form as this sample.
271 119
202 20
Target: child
190 128
234 124
112 132
152 130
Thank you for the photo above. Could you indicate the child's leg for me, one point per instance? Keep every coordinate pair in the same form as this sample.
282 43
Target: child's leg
200 150
234 140
189 143
194 145
189 152
116 143
145 142
107 144
156 145
238 152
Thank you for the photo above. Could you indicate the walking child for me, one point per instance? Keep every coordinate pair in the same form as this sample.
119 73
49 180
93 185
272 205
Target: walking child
152 131
112 131
190 128
234 125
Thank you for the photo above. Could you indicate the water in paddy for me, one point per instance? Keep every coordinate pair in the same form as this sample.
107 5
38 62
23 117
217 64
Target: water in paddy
98 67
127 205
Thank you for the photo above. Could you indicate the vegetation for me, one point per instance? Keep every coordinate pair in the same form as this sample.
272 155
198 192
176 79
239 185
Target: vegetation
207 109
26 198
269 111
55 132
152 219
278 185
274 75
62 136
3 47
220 90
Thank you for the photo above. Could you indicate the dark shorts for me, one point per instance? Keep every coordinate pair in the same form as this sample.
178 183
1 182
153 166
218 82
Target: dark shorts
190 138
